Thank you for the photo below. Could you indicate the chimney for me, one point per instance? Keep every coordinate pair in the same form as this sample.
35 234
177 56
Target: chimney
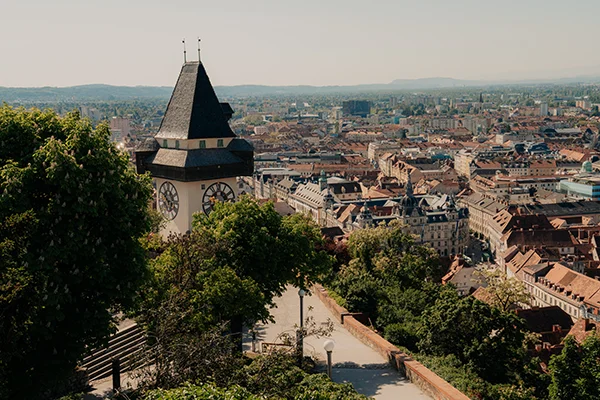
546 345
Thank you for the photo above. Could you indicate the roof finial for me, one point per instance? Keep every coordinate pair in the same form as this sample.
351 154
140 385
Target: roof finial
199 40
184 52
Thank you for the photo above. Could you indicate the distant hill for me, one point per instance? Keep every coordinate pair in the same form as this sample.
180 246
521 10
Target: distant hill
83 93
113 93
432 83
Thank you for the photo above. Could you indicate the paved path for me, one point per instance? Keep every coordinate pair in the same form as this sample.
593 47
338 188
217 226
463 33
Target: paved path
353 361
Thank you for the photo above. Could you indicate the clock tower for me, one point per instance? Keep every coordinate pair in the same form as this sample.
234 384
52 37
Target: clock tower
195 157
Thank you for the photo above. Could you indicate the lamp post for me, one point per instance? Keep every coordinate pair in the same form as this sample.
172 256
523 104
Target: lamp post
300 338
301 294
329 346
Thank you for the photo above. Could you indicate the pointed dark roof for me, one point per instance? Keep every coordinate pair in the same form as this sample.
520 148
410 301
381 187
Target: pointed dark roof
194 112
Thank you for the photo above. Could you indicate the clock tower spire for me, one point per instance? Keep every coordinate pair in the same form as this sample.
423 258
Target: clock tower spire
197 157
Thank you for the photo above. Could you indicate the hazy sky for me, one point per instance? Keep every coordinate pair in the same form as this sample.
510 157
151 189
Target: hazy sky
285 42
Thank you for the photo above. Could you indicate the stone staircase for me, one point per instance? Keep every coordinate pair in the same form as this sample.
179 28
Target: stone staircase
127 345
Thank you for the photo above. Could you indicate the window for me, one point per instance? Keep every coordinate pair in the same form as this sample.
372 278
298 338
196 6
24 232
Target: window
220 143
202 144
165 143
177 144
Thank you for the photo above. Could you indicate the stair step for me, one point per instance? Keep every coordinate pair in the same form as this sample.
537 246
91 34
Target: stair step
115 339
121 353
127 364
94 357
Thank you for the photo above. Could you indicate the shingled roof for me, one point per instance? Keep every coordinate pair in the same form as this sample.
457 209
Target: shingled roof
194 111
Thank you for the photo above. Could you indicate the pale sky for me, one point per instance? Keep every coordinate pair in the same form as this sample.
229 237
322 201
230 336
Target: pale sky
284 42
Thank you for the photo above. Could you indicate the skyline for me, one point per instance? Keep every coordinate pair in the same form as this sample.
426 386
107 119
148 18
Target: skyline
310 43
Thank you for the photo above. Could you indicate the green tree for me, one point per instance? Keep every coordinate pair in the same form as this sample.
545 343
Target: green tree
71 212
274 251
232 266
391 254
268 377
254 119
575 371
276 376
390 278
201 392
475 333
505 293
187 281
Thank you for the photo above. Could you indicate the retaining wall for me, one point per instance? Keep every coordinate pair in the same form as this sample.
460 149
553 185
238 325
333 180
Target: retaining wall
427 380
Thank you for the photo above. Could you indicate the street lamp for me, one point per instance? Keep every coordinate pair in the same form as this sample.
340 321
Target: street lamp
329 346
301 294
300 337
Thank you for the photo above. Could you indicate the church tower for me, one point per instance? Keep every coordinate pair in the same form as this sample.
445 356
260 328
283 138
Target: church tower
196 157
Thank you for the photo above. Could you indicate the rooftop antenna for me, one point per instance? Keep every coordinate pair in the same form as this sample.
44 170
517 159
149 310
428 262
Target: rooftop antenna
184 52
199 40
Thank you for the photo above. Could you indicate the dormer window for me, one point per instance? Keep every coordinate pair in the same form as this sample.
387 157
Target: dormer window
219 142
202 144
177 144
165 143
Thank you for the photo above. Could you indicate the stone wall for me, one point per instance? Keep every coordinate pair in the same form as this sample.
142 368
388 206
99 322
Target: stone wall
428 381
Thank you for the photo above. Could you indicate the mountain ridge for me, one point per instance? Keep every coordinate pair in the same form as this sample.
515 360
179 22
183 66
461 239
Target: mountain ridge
104 92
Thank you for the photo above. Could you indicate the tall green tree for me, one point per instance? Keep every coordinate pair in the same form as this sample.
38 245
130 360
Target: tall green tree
484 338
256 242
505 293
575 371
71 210
233 265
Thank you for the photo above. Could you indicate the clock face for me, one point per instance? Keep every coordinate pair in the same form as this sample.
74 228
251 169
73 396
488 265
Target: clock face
216 192
168 200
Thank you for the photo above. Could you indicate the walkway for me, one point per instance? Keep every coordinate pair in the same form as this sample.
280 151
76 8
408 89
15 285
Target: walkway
353 361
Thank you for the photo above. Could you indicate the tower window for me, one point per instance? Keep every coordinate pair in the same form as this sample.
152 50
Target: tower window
202 144
165 143
219 142
177 144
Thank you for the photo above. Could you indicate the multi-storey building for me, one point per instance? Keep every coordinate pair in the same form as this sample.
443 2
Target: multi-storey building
553 284
481 211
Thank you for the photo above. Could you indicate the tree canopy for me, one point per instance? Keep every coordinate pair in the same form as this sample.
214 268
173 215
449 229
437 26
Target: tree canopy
575 371
505 293
256 242
397 283
232 266
71 210
476 334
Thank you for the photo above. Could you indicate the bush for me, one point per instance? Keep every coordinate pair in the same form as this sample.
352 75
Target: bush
338 299
74 396
403 334
359 289
320 387
201 392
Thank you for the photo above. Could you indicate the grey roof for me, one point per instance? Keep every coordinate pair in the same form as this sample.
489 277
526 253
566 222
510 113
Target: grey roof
287 183
194 158
310 193
148 144
565 208
194 112
240 144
